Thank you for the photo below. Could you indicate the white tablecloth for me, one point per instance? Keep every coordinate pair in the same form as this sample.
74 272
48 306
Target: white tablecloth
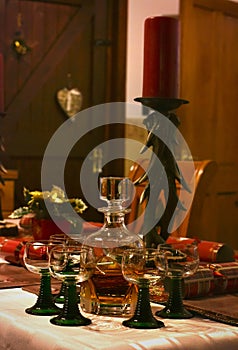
20 331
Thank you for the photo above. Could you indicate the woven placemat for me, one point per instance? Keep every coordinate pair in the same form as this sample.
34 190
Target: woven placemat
221 308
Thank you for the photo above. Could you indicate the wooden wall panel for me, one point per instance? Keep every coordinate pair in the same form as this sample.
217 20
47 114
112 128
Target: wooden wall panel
63 37
209 75
198 79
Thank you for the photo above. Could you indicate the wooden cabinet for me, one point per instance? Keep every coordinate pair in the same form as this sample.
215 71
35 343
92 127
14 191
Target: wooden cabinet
209 123
7 192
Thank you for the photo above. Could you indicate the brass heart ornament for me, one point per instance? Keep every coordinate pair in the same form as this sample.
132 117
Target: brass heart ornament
70 101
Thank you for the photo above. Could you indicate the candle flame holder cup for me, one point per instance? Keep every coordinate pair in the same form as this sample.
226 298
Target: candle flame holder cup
162 105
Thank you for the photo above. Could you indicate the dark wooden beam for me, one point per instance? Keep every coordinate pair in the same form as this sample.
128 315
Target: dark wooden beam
2 21
118 76
77 3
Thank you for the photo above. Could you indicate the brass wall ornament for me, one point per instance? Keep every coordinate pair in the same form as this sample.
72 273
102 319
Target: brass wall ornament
70 99
18 44
20 47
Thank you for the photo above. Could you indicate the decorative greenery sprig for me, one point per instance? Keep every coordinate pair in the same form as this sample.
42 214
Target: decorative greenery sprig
57 204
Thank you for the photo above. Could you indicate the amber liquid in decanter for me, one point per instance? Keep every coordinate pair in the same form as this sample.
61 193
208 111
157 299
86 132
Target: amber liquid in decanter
107 292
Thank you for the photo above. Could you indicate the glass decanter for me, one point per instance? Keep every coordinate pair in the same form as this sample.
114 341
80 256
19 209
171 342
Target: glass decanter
107 292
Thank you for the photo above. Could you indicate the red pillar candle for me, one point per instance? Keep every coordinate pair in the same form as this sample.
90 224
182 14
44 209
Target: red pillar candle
1 84
161 57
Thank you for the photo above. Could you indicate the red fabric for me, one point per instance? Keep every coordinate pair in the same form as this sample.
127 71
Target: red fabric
43 228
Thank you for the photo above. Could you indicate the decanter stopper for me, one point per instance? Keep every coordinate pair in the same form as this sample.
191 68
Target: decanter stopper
115 190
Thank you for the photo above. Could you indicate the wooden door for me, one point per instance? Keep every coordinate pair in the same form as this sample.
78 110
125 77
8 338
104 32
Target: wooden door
209 77
86 38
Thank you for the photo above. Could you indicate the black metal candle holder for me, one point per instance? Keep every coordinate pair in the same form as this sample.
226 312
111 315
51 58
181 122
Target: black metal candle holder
162 105
165 106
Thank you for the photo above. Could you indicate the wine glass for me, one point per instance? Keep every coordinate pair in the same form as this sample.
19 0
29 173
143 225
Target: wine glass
139 266
63 239
80 263
36 260
178 260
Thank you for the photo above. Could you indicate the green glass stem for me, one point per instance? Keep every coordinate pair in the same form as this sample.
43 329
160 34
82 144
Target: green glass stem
174 307
44 305
59 298
143 317
70 315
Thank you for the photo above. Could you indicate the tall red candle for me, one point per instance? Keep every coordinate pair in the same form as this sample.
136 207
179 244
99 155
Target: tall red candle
1 84
161 57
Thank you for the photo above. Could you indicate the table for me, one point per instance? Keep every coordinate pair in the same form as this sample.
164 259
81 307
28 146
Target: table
19 330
